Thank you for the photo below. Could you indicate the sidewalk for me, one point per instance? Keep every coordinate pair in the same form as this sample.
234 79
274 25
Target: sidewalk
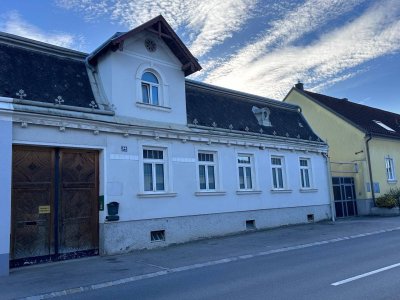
81 273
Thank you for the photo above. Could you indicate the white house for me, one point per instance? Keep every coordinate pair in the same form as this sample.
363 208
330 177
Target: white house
184 160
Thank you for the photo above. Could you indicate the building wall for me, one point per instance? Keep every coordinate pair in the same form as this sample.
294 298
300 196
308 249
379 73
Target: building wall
379 149
120 73
5 191
344 142
122 181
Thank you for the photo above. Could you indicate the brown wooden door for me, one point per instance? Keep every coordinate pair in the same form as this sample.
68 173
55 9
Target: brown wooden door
78 212
32 202
54 204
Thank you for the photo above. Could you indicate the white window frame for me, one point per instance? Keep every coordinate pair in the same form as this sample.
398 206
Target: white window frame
150 86
282 166
168 179
310 173
163 88
214 163
252 170
390 169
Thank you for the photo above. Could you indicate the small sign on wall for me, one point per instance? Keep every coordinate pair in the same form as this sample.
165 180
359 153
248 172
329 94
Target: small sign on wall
44 209
124 148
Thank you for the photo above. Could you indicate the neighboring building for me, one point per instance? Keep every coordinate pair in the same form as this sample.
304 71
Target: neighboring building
364 145
184 160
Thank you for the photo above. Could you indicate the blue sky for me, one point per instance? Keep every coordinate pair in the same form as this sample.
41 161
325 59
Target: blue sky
342 48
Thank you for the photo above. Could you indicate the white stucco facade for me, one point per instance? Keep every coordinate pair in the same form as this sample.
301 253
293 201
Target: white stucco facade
125 126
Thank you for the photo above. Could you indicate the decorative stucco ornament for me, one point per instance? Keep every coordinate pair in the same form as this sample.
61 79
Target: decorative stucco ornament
21 94
93 104
262 115
59 100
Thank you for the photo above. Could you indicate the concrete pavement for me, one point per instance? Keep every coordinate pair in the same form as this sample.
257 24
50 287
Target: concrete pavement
55 279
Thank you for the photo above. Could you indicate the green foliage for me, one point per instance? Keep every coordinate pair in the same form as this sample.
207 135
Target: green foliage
387 201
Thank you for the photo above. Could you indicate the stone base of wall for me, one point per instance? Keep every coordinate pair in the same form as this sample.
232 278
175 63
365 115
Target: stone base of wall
125 236
364 206
385 212
4 264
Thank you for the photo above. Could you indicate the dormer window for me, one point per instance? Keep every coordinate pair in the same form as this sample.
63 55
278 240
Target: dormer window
150 88
262 115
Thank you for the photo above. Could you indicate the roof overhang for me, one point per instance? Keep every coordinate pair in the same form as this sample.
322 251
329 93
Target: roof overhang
160 27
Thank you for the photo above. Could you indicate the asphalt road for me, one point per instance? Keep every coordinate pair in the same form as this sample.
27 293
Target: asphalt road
307 273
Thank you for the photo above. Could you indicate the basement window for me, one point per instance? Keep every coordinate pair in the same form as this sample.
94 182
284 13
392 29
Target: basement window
384 126
250 224
157 236
310 218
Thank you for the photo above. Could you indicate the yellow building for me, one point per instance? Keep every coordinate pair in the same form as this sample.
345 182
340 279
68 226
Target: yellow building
364 147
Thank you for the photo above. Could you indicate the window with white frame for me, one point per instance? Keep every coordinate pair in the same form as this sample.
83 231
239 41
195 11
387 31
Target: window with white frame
154 168
245 168
389 164
278 172
305 173
207 171
150 88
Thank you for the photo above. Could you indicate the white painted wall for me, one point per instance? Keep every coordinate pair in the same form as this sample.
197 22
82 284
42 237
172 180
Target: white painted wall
5 191
123 182
120 73
127 173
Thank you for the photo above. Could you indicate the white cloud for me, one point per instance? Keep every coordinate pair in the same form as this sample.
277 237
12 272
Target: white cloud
13 23
271 71
208 23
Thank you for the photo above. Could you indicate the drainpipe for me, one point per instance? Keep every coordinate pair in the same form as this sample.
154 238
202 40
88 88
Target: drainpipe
369 167
329 178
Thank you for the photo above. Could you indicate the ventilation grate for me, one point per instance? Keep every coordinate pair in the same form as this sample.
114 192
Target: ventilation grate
157 236
310 218
250 224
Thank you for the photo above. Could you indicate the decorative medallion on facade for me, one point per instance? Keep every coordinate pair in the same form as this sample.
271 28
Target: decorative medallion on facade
59 100
262 115
150 45
21 94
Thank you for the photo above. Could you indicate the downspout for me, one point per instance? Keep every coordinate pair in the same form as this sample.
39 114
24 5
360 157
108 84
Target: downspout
369 167
329 178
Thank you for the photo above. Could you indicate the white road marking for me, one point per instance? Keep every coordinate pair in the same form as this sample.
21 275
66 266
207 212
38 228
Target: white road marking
198 266
365 274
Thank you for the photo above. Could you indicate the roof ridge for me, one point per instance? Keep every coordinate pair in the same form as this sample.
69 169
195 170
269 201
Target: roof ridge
352 102
23 42
248 96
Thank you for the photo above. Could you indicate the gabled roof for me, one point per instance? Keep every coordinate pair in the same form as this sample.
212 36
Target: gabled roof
219 108
43 73
159 26
361 116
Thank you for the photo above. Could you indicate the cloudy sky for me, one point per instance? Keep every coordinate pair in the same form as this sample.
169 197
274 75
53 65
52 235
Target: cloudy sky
342 48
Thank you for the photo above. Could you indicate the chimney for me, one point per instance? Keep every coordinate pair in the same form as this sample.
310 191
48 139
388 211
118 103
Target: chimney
299 85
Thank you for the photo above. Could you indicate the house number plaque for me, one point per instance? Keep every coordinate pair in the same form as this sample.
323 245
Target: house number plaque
44 209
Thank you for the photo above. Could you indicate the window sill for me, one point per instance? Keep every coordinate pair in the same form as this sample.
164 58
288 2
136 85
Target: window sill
392 181
156 195
248 192
308 190
153 107
210 193
281 191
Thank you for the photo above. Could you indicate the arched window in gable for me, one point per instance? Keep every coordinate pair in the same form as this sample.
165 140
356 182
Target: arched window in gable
150 88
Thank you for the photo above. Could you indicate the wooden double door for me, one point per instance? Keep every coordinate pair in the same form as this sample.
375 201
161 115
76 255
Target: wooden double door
54 204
